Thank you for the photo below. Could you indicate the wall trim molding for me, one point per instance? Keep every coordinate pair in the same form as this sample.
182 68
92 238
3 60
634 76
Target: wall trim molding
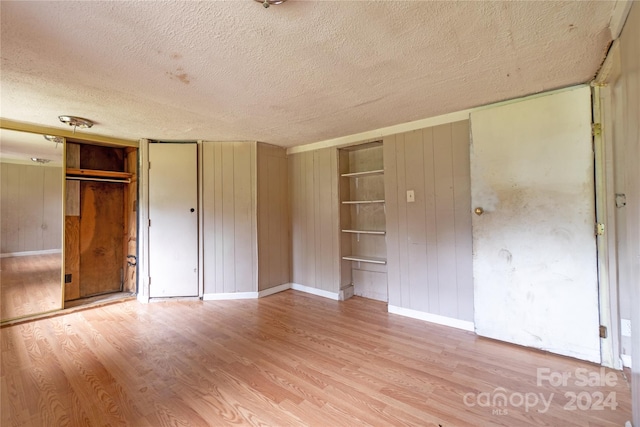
432 318
337 296
274 290
315 291
230 296
442 119
31 253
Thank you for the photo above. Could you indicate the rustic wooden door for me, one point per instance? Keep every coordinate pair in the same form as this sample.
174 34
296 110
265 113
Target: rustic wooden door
101 231
173 220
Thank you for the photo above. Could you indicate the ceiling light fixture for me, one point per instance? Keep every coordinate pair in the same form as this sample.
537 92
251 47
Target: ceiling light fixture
267 3
54 138
76 122
39 160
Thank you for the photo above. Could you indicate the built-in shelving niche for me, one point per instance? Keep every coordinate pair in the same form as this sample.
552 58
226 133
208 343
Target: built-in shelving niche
362 219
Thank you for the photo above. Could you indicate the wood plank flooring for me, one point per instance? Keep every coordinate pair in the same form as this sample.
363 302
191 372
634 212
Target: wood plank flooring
287 359
30 285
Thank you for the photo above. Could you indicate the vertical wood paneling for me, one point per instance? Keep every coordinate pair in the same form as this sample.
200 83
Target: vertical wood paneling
264 214
462 201
9 192
309 217
31 208
31 192
429 240
391 194
52 209
445 234
209 264
315 219
273 216
325 224
297 233
334 229
430 222
228 220
403 230
416 239
218 218
244 217
229 215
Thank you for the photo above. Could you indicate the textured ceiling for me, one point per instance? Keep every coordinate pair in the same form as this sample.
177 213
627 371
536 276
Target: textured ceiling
297 73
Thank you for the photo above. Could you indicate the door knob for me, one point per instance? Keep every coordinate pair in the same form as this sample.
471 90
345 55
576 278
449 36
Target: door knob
193 210
479 211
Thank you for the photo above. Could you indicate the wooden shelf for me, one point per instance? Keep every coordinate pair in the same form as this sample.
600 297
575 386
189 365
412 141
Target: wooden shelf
98 175
361 202
361 174
376 232
369 259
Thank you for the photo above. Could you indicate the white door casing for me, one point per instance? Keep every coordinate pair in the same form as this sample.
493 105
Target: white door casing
534 248
173 220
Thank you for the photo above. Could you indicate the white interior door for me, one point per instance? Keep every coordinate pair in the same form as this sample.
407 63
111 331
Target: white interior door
173 218
534 248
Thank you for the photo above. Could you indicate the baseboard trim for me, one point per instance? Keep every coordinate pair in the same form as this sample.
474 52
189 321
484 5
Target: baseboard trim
315 291
341 296
433 318
626 360
31 253
274 290
230 295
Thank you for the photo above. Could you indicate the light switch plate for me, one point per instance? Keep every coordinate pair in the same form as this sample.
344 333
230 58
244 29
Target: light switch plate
411 196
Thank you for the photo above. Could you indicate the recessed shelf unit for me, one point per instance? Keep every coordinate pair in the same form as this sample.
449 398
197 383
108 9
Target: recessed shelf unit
362 220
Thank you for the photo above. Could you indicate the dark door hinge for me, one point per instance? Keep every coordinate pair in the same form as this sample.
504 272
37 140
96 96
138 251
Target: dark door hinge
603 331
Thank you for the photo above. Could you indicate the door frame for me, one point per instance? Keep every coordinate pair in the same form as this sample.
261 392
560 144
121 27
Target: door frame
143 212
605 213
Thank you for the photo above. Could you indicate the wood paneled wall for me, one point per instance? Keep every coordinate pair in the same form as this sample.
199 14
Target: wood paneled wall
429 255
229 229
315 219
274 248
31 208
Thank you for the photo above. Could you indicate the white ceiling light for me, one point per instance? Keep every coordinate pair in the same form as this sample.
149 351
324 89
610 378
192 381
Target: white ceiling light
267 3
39 160
54 138
76 122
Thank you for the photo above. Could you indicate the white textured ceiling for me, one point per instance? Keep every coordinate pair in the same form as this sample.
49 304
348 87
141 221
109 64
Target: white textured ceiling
297 73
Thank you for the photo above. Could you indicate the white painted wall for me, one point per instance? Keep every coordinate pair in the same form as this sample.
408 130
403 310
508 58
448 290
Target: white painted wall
534 247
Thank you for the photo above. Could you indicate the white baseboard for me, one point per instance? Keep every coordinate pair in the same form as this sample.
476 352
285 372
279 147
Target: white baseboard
274 290
341 296
433 318
626 360
230 295
31 253
315 291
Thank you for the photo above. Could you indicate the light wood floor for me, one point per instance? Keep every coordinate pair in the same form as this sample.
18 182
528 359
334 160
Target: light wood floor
288 359
30 285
